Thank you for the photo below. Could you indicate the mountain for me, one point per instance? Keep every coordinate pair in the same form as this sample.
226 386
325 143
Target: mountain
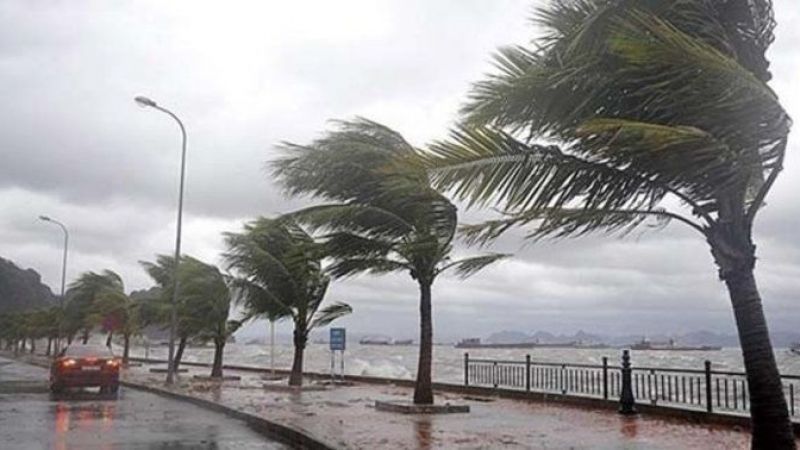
507 337
22 289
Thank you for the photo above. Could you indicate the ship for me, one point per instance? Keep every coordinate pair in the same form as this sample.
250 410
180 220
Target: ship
376 340
644 344
383 340
476 343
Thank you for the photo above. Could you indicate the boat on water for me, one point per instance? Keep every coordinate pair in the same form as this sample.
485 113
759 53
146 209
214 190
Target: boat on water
375 340
670 345
476 343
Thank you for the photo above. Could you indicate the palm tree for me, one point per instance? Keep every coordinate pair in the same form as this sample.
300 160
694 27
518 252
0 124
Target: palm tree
120 314
202 305
280 275
383 216
205 291
82 297
627 111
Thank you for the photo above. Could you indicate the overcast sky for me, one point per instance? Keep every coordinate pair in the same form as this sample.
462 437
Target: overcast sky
244 76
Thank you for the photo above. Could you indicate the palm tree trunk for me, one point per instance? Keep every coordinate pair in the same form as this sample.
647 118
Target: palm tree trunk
85 336
33 345
179 352
49 346
734 252
126 349
108 339
772 428
296 377
216 368
423 390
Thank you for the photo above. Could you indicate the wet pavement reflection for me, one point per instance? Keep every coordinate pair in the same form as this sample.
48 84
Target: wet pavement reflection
32 418
422 428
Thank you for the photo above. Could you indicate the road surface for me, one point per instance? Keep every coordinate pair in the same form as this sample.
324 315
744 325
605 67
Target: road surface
31 419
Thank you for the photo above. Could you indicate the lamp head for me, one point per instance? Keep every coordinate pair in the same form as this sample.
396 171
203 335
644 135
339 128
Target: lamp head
45 218
144 102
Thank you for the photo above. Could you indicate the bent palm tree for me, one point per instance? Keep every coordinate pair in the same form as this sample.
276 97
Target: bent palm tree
634 110
202 304
120 315
82 312
281 276
205 291
385 217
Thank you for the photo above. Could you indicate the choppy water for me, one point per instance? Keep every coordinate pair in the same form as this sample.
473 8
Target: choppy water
400 362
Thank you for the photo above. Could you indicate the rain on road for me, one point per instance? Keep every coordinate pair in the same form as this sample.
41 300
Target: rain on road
31 419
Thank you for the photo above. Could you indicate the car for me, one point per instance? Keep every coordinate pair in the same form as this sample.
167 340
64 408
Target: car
85 366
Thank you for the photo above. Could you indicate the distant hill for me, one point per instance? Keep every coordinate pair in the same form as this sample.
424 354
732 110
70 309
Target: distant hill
22 289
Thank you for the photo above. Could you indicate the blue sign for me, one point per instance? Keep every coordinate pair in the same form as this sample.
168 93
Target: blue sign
337 340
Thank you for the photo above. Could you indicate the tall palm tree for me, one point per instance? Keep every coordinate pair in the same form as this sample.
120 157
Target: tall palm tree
383 217
635 110
280 275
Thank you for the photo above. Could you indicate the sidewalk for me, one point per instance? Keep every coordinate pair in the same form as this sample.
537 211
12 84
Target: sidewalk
345 417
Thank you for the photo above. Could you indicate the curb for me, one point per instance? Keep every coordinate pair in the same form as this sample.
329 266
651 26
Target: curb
284 433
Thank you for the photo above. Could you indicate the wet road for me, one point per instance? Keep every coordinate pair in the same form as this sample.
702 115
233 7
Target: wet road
31 419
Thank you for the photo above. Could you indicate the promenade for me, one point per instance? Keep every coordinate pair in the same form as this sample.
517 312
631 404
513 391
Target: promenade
345 417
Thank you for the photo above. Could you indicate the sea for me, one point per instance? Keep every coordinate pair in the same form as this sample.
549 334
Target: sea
395 361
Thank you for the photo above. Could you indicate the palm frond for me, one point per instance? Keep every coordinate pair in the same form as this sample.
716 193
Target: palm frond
566 222
344 245
681 156
467 267
485 165
365 219
344 268
329 313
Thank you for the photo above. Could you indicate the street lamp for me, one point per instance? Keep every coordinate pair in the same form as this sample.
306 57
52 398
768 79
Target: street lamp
63 274
145 102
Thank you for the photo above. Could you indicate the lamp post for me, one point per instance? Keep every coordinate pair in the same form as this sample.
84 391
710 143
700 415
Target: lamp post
63 275
148 103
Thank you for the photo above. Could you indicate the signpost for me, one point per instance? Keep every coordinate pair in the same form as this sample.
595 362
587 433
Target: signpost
337 342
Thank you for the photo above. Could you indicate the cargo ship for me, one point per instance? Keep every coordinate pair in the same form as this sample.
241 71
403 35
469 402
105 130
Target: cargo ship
644 344
383 340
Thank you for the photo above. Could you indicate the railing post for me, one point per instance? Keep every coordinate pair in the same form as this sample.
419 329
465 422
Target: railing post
626 401
605 377
528 373
709 406
466 369
495 375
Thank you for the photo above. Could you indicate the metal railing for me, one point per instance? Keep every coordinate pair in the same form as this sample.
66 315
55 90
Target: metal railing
697 389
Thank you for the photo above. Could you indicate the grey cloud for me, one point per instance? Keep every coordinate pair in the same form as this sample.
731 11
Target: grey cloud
77 148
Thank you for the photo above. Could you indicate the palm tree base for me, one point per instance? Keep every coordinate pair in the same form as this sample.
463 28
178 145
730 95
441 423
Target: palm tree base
407 407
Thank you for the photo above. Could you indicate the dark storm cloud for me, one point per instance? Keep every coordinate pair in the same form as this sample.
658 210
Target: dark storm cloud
246 76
